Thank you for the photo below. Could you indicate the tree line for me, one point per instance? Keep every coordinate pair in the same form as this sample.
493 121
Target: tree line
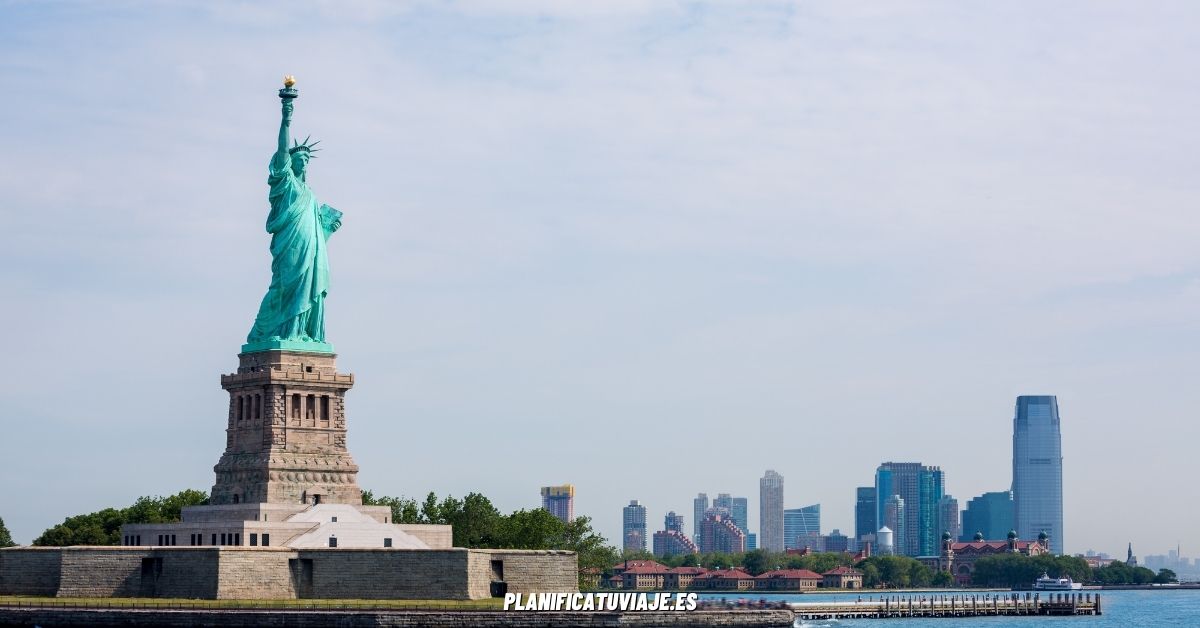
1018 570
103 527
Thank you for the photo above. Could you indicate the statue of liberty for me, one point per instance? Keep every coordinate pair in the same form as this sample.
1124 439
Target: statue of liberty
292 314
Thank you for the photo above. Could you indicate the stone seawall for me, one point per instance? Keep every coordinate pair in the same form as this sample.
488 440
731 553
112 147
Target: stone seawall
104 618
32 571
246 573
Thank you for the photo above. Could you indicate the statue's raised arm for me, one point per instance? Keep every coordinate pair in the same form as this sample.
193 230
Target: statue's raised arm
292 314
284 124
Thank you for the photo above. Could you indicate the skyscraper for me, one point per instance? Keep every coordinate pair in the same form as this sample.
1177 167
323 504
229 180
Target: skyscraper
893 519
634 527
799 523
718 533
672 543
948 517
1037 470
740 509
560 501
671 540
673 522
737 507
866 512
770 511
990 514
699 506
921 488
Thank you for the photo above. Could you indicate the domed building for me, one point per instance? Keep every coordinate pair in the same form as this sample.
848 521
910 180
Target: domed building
959 558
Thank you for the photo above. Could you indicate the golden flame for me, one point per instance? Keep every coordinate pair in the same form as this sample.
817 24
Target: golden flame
289 80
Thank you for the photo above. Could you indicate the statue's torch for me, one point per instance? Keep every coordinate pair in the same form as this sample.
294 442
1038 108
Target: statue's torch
288 92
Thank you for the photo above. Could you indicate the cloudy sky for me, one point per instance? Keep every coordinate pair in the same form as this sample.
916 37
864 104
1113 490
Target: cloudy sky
650 248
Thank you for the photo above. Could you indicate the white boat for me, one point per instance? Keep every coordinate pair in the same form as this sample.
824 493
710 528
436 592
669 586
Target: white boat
1046 583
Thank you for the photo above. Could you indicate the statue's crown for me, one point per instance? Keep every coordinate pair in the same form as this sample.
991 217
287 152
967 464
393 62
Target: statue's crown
304 146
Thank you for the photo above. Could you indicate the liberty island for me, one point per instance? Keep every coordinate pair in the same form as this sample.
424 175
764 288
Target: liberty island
285 518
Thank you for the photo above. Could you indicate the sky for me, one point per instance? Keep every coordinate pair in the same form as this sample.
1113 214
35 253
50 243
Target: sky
648 248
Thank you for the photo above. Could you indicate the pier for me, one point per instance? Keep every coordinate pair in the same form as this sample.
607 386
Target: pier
959 605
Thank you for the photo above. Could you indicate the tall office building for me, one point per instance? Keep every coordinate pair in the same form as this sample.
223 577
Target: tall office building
741 517
673 522
770 511
893 519
634 527
948 517
866 512
672 543
671 540
1037 470
990 514
920 487
560 501
837 542
800 525
737 507
718 533
699 506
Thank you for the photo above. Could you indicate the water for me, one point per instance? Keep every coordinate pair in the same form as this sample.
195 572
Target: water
1178 608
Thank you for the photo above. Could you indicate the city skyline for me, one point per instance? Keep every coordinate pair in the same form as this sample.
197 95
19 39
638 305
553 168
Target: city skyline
855 233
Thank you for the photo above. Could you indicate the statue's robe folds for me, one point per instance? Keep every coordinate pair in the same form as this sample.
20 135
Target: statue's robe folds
294 306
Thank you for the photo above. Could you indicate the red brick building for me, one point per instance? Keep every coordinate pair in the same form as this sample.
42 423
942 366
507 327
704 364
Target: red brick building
788 580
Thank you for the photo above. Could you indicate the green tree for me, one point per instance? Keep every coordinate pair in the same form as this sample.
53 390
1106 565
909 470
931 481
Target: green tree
871 575
1015 570
431 512
592 549
1118 572
530 529
942 579
756 562
5 536
894 572
104 527
476 521
1165 576
404 510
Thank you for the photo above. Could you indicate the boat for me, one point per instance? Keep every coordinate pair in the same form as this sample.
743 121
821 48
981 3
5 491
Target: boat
1046 583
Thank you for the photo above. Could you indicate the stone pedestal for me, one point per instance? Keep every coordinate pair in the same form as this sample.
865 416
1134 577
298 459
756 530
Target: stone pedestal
286 434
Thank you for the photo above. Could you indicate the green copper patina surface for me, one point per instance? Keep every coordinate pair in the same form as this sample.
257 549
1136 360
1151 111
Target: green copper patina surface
292 314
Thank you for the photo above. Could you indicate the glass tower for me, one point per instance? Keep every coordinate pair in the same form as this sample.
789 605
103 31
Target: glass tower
866 512
990 514
1037 470
920 488
737 507
799 523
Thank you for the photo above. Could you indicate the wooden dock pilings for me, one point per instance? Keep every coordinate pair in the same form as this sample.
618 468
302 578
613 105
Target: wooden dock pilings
953 605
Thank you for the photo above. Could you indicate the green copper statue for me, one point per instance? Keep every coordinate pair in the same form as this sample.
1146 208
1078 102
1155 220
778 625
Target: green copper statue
292 314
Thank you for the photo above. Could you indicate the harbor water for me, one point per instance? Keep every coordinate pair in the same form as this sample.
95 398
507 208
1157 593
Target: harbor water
1176 608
